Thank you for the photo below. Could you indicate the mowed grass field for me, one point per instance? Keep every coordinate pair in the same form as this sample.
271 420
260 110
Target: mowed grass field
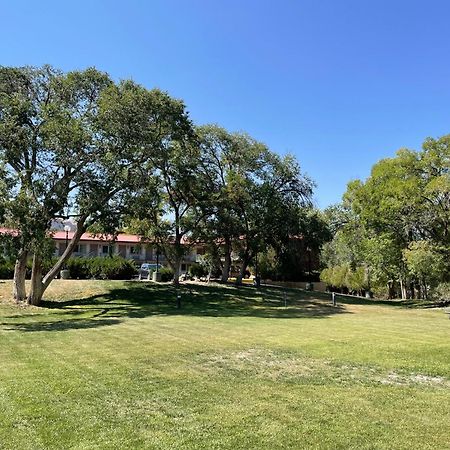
115 365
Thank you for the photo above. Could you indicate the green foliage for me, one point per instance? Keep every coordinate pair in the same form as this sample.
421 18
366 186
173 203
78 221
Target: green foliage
167 274
80 268
268 265
111 268
198 270
425 262
396 222
356 279
65 150
6 269
442 293
343 277
255 197
117 153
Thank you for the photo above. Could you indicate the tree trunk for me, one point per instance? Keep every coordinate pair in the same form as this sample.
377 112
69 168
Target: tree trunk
391 290
210 273
53 272
37 287
176 270
39 284
424 291
227 264
242 272
403 289
20 269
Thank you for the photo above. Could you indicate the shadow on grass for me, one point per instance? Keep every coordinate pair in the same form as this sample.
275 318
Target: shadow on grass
140 300
408 303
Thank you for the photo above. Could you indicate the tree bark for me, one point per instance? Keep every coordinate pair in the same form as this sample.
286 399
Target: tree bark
176 271
37 288
403 289
40 284
20 269
53 272
227 263
209 273
391 290
242 271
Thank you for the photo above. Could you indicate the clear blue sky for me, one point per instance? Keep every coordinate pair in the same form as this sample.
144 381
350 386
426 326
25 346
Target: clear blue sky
340 84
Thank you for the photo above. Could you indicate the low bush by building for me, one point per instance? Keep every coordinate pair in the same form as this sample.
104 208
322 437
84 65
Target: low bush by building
111 268
166 274
197 271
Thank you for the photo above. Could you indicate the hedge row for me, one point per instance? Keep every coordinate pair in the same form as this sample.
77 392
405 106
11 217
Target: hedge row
166 274
109 268
114 268
7 268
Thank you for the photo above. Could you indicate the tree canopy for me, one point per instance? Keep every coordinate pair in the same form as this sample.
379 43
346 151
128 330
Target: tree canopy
114 154
396 222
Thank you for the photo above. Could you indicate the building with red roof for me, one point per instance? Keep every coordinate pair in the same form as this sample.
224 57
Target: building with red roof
129 246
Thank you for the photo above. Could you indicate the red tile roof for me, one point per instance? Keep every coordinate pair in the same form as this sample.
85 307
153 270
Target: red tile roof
124 238
61 236
8 231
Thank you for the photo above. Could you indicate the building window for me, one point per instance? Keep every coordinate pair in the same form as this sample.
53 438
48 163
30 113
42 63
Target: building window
134 250
105 249
81 249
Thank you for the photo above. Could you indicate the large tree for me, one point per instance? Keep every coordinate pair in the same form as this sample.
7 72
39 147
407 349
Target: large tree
227 162
68 146
165 205
48 151
405 200
254 195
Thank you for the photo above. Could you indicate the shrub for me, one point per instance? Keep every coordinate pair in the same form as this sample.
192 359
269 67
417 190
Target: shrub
356 279
344 278
197 270
442 293
166 274
109 268
268 265
6 270
79 268
115 268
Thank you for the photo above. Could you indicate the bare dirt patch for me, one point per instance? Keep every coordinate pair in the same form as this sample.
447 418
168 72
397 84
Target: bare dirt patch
414 379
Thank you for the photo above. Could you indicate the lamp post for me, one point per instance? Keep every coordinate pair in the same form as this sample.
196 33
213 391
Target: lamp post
67 229
64 272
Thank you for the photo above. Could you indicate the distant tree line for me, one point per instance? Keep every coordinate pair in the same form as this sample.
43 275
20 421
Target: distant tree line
392 231
115 155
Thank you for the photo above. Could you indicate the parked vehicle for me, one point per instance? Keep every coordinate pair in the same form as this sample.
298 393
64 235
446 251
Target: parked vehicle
148 268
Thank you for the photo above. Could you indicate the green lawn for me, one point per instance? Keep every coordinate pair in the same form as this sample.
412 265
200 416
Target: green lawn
116 365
